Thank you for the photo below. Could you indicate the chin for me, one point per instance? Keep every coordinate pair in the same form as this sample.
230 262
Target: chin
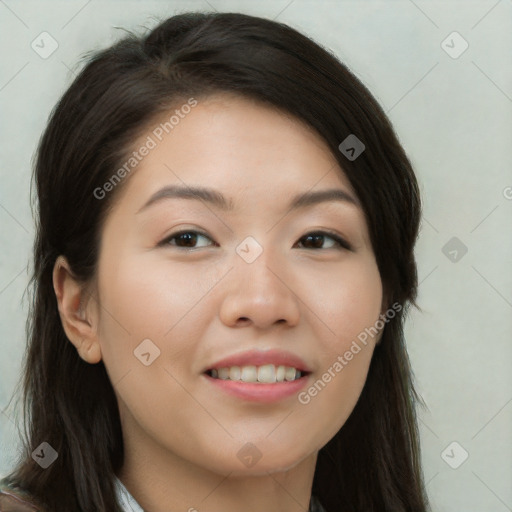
261 470
266 465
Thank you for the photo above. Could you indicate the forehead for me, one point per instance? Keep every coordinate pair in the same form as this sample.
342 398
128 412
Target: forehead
241 147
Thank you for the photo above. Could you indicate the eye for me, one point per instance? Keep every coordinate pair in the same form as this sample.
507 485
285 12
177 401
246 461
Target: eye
188 240
316 239
185 239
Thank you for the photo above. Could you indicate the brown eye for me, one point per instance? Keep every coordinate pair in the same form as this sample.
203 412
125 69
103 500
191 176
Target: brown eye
185 239
316 239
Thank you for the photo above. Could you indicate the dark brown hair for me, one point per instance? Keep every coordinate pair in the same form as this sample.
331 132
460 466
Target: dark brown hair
373 462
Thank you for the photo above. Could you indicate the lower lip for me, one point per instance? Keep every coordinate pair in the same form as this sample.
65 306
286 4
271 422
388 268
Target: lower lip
255 392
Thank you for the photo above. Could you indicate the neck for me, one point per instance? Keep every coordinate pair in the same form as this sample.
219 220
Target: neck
161 481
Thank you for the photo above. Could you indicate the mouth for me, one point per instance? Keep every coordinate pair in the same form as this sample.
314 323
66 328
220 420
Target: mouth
259 376
264 374
264 384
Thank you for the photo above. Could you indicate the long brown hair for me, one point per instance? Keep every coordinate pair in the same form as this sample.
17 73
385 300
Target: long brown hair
373 462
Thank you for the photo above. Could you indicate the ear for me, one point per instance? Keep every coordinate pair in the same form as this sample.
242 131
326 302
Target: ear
77 312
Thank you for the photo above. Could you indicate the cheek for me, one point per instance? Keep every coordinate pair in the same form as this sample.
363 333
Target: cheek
141 301
332 396
149 298
345 299
349 304
151 309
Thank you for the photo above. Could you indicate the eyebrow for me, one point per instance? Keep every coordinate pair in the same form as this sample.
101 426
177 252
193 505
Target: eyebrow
217 199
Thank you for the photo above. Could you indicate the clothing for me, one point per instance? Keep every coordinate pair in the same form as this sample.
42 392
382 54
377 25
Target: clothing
126 499
15 499
130 505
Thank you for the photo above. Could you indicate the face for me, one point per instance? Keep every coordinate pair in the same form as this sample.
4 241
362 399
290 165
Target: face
194 290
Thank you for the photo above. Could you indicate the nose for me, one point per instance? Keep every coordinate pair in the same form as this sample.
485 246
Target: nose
259 294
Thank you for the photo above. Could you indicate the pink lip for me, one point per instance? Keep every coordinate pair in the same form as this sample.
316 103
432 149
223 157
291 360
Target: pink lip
260 358
255 392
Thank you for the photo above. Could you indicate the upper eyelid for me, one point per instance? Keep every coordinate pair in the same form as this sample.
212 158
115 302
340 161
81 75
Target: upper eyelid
181 232
324 232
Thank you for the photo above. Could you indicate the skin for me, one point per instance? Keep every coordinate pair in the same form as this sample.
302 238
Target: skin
181 433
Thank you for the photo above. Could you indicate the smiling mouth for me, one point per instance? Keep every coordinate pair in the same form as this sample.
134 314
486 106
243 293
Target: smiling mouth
264 374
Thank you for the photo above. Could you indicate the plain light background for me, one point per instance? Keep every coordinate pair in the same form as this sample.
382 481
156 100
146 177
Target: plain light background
453 114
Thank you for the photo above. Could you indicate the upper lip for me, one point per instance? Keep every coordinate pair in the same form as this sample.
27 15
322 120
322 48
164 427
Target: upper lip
260 358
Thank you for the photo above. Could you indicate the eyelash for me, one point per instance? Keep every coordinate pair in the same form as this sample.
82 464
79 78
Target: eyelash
342 244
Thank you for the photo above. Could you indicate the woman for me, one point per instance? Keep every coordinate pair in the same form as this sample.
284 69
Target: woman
223 264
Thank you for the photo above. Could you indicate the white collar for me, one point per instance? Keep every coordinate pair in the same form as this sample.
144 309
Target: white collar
129 504
126 500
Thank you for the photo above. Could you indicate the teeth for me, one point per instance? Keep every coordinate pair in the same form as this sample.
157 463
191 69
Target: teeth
223 373
267 373
289 374
234 373
249 374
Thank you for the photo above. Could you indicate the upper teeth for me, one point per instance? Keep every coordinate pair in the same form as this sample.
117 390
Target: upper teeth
266 373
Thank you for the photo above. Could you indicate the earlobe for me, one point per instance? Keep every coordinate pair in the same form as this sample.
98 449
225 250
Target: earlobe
72 302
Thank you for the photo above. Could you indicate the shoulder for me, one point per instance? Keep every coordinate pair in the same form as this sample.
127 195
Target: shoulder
15 499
